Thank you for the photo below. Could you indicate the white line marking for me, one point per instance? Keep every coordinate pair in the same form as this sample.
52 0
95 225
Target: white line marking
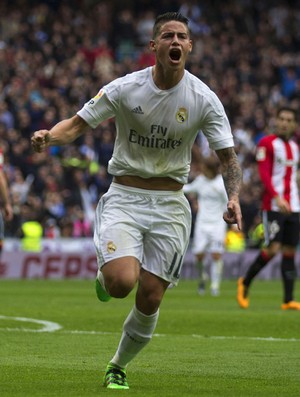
267 339
257 338
48 326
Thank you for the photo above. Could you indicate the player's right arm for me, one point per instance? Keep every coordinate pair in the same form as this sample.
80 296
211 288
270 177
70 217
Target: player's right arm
64 132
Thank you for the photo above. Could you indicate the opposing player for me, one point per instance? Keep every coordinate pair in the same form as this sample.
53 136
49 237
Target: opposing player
278 160
142 224
210 228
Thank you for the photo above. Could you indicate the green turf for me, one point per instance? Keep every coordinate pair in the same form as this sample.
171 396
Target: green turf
204 346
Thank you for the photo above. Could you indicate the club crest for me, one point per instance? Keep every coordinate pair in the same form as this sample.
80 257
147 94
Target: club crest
181 115
111 247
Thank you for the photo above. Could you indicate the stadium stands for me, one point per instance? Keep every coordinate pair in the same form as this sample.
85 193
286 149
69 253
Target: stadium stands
56 55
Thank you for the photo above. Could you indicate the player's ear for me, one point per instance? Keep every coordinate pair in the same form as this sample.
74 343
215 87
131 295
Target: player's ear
152 45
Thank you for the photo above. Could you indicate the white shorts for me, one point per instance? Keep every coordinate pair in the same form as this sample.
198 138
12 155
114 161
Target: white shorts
209 237
153 226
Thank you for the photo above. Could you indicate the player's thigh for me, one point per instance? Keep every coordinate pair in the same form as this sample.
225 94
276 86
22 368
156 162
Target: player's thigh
217 238
118 232
167 239
291 230
209 238
201 239
273 226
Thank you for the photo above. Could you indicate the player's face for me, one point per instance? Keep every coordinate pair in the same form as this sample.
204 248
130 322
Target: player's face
172 45
285 124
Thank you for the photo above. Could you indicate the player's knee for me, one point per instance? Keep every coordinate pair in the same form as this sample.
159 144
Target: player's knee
120 276
120 287
216 256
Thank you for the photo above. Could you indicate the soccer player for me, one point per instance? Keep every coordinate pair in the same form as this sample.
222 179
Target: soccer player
6 205
142 224
278 158
210 228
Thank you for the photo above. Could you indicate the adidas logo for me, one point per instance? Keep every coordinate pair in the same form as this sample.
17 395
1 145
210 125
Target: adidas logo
138 110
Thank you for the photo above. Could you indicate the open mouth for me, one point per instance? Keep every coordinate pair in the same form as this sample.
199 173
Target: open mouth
175 54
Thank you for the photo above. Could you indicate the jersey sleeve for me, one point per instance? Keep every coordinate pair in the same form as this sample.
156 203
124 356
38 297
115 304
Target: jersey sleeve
98 109
264 158
216 126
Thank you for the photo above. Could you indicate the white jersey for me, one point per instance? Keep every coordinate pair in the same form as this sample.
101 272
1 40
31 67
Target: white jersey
210 228
157 128
212 198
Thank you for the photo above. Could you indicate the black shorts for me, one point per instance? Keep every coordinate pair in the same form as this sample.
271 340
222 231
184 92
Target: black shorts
281 227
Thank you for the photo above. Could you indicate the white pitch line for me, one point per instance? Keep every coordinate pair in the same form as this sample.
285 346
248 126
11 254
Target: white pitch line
49 326
267 339
256 338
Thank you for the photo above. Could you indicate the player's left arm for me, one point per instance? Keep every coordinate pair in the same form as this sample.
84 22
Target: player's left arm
232 176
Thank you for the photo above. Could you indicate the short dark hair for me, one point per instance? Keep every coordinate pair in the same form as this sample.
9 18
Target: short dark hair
287 109
167 17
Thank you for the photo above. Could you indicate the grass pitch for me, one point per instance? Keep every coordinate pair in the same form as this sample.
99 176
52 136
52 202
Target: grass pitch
203 346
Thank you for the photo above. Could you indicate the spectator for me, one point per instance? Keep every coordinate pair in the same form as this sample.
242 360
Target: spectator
51 230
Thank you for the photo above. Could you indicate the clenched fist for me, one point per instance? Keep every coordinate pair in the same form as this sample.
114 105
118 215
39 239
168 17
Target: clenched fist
40 140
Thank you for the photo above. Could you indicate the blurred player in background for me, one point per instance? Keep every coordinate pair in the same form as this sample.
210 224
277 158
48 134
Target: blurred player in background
210 228
7 210
278 158
143 222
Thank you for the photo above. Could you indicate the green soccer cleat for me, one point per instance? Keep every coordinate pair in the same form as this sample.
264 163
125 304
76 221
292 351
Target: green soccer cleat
115 377
102 295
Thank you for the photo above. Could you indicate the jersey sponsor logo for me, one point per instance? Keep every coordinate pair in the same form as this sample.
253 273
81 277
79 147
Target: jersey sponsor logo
137 110
286 162
153 141
181 115
261 154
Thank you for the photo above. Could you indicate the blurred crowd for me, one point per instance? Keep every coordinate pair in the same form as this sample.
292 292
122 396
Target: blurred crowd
56 55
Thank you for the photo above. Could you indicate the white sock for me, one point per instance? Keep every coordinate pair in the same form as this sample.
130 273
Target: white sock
138 329
216 271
